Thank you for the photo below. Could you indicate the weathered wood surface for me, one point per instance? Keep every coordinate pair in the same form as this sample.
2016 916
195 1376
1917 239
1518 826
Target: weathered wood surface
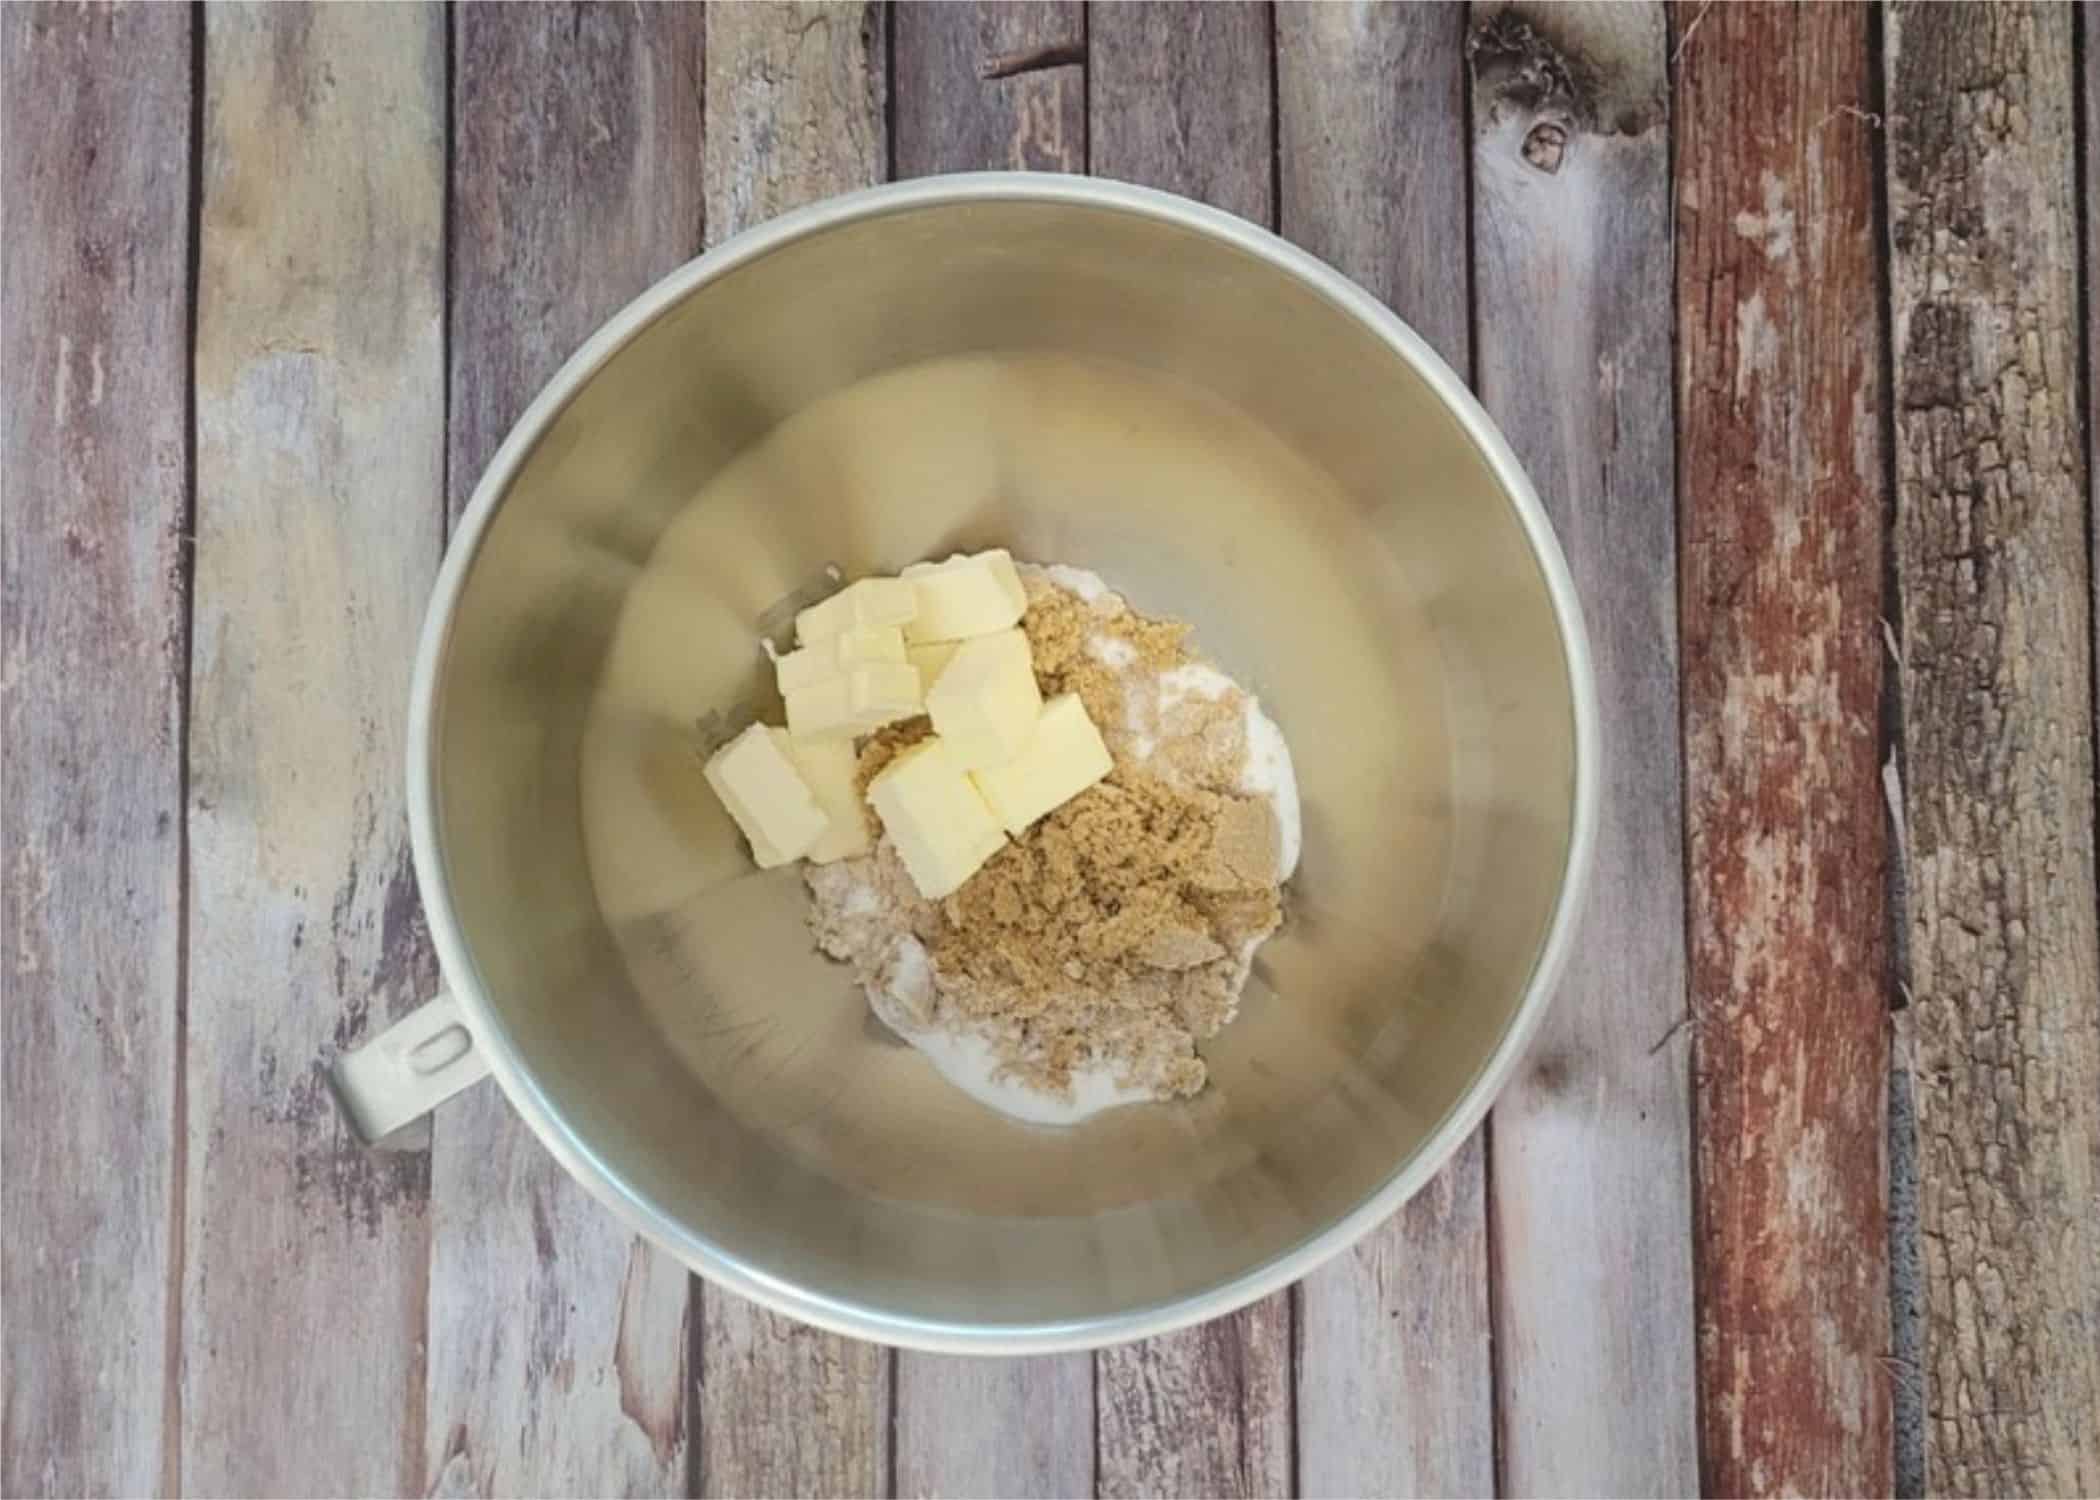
1991 568
1591 1145
1782 484
796 101
1009 1427
94 277
245 1273
990 84
1395 1390
320 460
1179 97
558 1341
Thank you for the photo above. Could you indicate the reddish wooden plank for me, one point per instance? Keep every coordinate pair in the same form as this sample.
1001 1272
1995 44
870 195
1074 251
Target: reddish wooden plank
1782 478
95 170
795 100
1590 1165
575 184
1179 97
1394 1377
970 1426
1992 572
320 464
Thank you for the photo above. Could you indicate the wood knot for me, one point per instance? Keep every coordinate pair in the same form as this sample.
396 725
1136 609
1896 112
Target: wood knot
1544 146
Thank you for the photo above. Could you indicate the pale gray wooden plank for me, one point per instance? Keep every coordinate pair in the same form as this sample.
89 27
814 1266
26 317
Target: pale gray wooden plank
786 1409
1179 97
795 100
1991 568
558 1340
1591 1145
1203 1412
320 463
1395 1383
966 1426
95 170
1009 1427
1783 476
989 84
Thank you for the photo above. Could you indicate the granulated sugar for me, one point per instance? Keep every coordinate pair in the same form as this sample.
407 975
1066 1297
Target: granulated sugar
1087 958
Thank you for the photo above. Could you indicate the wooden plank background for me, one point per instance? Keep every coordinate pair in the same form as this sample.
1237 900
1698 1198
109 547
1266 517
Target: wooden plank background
95 116
1782 488
1780 307
565 202
1991 567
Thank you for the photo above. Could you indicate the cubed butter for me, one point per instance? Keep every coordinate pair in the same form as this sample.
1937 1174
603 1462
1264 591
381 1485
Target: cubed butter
985 703
882 692
965 596
767 796
832 656
805 667
1063 759
827 769
939 824
871 601
862 699
930 657
857 645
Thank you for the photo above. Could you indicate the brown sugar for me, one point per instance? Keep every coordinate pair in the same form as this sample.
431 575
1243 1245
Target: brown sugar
1118 930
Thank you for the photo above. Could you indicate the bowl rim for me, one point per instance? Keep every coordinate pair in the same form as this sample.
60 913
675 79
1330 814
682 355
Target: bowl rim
842 1314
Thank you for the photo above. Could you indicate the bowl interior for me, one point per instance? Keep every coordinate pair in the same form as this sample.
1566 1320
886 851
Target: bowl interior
1081 383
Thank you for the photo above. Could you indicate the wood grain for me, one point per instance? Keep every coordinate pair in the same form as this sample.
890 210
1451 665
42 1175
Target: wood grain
1590 1146
1202 1412
1179 97
94 274
797 96
320 463
1991 565
795 111
970 1426
1008 1427
1394 1377
788 1410
558 1341
951 117
1782 479
2089 196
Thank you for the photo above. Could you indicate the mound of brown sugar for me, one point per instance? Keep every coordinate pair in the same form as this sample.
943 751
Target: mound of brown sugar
1118 930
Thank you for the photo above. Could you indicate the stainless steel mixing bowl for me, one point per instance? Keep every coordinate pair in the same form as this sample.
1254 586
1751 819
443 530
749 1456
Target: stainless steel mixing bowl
1228 431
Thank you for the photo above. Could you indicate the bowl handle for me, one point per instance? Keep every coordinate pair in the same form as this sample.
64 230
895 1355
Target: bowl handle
408 1070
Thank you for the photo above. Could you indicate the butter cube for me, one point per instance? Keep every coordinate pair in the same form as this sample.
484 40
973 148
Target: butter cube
940 825
1064 758
930 657
883 692
834 655
986 703
871 601
861 699
766 796
805 667
858 645
827 769
965 596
